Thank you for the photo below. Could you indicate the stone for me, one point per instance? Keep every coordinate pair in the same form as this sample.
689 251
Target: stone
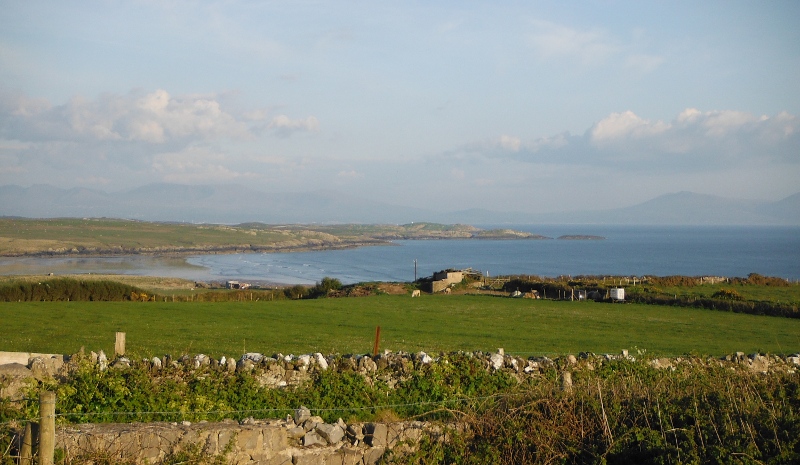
311 438
201 360
102 360
759 363
571 359
331 433
566 381
323 364
375 434
156 362
120 363
373 456
296 432
248 439
301 415
253 356
312 423
368 364
230 365
245 365
497 361
38 369
355 435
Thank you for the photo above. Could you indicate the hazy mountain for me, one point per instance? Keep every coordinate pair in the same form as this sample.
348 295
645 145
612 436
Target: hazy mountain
687 208
237 204
209 204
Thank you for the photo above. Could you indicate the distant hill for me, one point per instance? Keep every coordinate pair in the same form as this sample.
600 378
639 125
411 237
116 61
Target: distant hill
202 204
688 208
238 204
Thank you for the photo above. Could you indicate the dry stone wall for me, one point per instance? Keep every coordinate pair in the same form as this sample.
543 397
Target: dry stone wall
301 439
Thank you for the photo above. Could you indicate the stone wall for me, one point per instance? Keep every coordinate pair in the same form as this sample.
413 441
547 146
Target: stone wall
301 439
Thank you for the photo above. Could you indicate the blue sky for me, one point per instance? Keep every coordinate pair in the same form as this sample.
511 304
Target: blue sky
531 106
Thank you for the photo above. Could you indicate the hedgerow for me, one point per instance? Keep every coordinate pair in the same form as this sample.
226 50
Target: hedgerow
617 411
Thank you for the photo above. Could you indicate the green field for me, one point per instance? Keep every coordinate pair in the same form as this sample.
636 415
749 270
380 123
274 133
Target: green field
74 236
431 323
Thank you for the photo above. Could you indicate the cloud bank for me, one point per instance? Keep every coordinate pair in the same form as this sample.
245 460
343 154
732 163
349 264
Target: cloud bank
125 141
693 140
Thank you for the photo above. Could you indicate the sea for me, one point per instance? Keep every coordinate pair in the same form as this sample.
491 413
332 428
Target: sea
725 251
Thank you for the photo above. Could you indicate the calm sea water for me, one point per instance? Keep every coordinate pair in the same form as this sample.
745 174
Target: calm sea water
626 250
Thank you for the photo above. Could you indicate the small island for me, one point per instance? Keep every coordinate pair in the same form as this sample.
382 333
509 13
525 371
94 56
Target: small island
580 237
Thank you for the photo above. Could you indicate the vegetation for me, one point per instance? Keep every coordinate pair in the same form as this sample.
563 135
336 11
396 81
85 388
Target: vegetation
756 294
627 412
71 236
431 323
618 411
65 289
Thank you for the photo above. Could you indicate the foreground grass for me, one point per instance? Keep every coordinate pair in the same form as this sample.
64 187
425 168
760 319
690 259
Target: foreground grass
431 323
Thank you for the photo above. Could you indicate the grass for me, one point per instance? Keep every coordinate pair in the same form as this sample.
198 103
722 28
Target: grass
22 236
431 323
787 294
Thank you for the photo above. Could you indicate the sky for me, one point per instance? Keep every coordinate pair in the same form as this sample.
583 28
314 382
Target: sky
516 106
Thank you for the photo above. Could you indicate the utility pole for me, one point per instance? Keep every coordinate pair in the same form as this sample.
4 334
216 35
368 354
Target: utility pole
415 270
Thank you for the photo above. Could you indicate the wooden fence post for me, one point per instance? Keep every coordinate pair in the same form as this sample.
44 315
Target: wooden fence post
26 451
119 345
47 427
377 341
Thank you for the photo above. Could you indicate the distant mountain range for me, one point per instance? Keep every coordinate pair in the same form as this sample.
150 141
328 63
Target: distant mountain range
238 204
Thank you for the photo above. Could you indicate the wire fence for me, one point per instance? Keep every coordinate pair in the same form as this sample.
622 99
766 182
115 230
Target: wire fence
266 411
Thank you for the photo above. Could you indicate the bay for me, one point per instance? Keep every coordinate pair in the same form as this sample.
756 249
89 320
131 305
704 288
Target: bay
625 251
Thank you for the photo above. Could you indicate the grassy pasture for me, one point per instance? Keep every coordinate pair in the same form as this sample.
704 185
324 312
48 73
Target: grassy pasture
430 323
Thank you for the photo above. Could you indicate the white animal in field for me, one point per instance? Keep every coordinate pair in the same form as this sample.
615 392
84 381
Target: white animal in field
415 293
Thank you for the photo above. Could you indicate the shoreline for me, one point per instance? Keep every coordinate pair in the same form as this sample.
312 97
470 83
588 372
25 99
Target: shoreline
188 251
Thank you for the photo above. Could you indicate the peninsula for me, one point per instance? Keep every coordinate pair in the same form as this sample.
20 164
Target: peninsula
103 236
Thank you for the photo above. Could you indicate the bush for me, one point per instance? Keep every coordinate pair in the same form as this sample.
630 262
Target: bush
728 294
324 287
66 289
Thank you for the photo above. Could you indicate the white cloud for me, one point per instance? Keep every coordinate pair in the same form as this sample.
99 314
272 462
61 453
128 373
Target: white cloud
510 143
349 174
197 165
283 125
154 118
625 125
712 135
695 141
552 40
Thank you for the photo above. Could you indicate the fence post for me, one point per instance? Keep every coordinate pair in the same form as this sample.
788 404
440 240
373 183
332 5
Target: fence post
566 381
47 427
119 344
26 451
377 341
